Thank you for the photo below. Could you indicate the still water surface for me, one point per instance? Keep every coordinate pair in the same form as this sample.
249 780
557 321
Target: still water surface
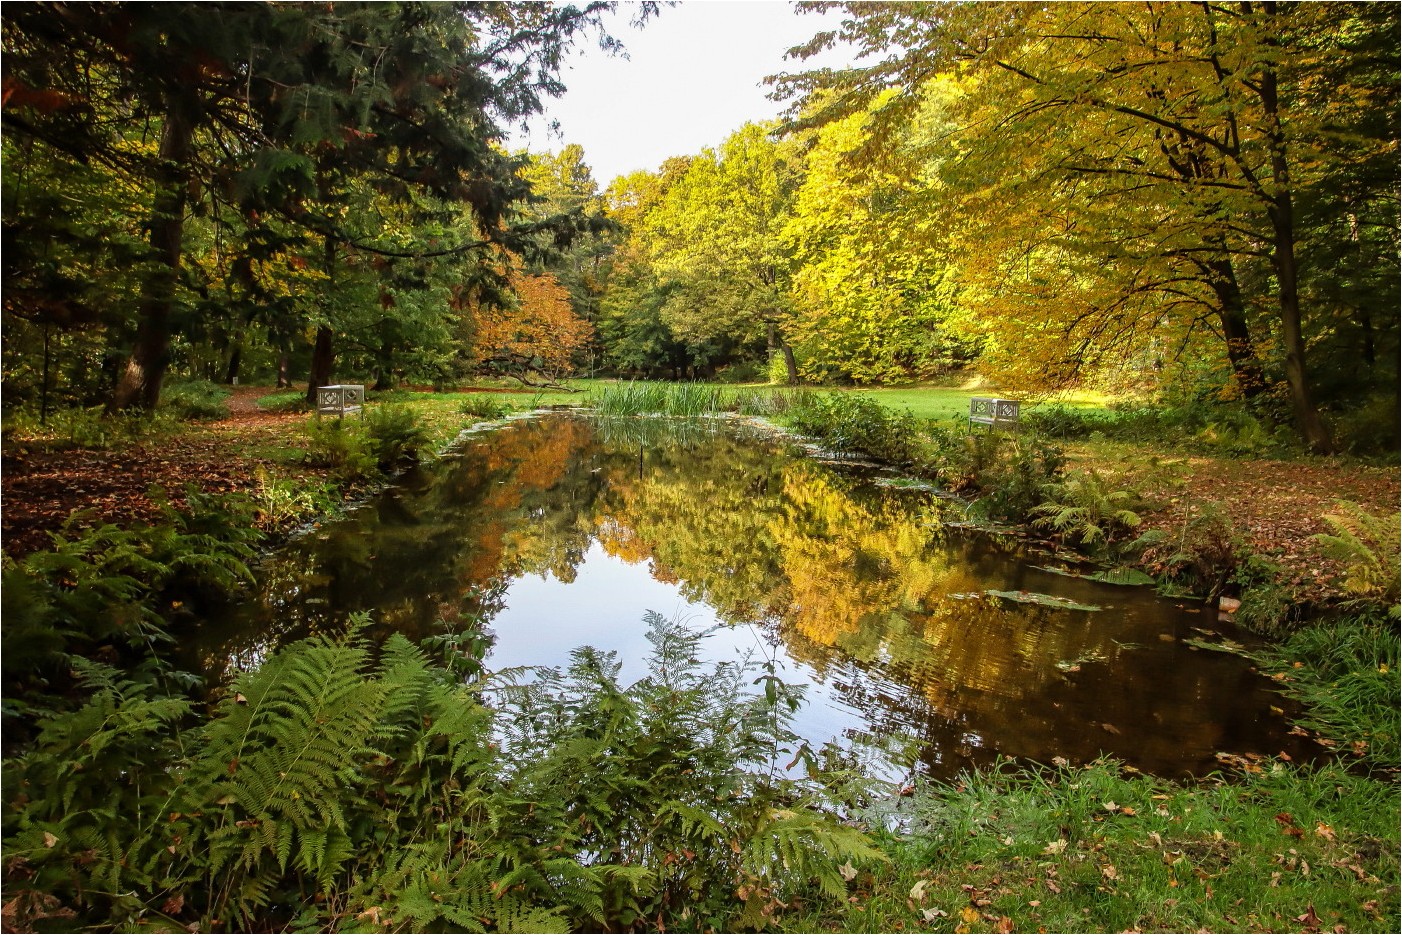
561 531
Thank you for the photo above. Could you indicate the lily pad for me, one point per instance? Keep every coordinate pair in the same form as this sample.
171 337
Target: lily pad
1046 600
1123 575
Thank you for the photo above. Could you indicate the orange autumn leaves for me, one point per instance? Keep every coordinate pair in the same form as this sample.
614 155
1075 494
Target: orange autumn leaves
539 331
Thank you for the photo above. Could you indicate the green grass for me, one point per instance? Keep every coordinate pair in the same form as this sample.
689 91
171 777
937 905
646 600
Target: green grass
1097 849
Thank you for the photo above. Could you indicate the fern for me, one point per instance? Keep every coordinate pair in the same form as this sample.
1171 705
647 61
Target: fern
1369 548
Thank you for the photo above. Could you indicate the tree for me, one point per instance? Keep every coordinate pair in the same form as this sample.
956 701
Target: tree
278 108
716 231
537 334
1187 125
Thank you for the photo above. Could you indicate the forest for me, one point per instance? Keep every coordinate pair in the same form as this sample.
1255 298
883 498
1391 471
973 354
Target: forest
1184 201
1170 230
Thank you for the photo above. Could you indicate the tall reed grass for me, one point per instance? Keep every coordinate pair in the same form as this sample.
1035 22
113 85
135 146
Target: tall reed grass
642 397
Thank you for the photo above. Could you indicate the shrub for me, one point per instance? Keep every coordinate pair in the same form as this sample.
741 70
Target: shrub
196 399
1369 547
286 401
335 444
859 424
394 435
1203 557
109 585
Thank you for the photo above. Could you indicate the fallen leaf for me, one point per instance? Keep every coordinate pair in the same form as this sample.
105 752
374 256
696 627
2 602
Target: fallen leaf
849 873
1055 847
917 892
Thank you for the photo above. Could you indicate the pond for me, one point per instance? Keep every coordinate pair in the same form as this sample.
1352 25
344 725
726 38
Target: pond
562 530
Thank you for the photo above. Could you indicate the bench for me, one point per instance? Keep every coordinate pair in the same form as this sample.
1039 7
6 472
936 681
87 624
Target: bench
993 412
341 399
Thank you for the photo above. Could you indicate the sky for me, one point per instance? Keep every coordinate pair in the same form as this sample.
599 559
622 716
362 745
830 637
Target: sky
694 75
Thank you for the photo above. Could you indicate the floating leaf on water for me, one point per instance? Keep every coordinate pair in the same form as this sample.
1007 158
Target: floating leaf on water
1046 600
1125 576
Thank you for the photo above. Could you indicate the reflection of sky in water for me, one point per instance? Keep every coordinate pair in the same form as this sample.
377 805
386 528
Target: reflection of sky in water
545 619
862 598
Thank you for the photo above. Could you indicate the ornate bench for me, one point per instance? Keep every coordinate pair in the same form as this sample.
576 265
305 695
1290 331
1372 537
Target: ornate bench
994 412
341 399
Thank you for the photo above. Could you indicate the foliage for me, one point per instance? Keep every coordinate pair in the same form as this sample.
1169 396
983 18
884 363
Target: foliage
334 783
113 586
484 406
337 445
1369 546
1084 508
197 399
857 423
637 397
279 502
1102 179
1349 682
537 333
1205 554
394 434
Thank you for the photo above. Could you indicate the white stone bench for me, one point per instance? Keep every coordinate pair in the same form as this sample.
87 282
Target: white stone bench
340 399
994 412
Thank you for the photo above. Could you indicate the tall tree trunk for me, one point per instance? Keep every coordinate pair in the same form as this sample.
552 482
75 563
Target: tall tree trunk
231 374
139 384
284 378
323 352
1281 206
1231 312
323 358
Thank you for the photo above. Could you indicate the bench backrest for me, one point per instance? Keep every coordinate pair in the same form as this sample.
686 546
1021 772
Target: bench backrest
341 397
994 411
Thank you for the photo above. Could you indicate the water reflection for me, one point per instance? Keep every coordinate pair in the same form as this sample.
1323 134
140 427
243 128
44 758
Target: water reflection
561 531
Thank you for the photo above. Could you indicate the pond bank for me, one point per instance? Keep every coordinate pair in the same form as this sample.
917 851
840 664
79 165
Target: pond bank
1088 848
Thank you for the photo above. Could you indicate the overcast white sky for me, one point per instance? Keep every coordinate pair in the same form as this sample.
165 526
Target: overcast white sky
694 75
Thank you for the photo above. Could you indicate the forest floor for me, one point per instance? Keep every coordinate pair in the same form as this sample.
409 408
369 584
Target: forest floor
1275 506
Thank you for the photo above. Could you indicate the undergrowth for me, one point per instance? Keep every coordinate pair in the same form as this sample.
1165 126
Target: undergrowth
338 788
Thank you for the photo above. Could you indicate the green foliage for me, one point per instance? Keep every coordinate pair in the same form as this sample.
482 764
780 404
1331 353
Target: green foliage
858 423
395 434
279 502
289 401
87 428
111 586
484 406
334 783
1204 555
339 446
196 399
1369 547
1349 683
639 397
1083 508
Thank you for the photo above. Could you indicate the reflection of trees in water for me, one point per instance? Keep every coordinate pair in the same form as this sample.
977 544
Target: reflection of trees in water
862 584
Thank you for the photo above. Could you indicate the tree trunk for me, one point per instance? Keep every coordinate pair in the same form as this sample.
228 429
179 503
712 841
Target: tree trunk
139 384
774 341
1282 211
284 379
1231 311
323 353
323 358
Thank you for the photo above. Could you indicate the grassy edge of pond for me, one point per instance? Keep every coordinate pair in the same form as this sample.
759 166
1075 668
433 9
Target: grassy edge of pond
1211 862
